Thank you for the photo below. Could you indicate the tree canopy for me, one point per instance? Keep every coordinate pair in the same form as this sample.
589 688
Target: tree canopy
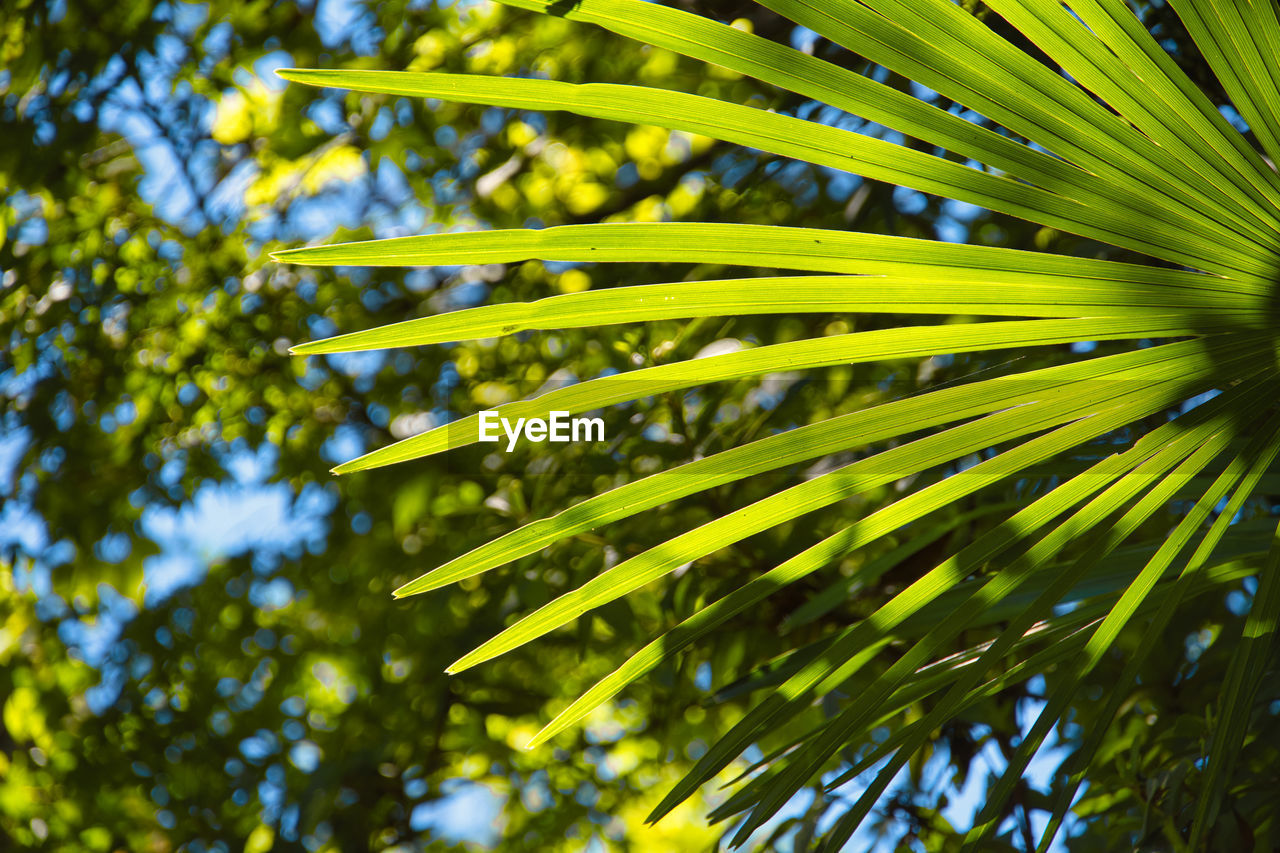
200 649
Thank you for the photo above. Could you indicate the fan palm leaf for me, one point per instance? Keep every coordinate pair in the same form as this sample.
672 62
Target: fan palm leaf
1110 142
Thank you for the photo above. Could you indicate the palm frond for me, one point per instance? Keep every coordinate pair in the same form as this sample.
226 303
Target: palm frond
1103 137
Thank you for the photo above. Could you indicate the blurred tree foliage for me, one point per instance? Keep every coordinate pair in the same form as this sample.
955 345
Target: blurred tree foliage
255 687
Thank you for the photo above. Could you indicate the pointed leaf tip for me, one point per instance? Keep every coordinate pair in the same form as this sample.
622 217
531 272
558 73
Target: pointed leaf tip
344 468
463 663
406 590
543 735
282 256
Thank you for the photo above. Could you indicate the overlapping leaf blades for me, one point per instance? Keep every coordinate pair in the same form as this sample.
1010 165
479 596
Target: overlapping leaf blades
1157 170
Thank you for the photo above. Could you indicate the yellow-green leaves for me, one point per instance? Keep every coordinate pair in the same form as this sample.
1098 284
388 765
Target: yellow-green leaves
1106 138
1172 236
